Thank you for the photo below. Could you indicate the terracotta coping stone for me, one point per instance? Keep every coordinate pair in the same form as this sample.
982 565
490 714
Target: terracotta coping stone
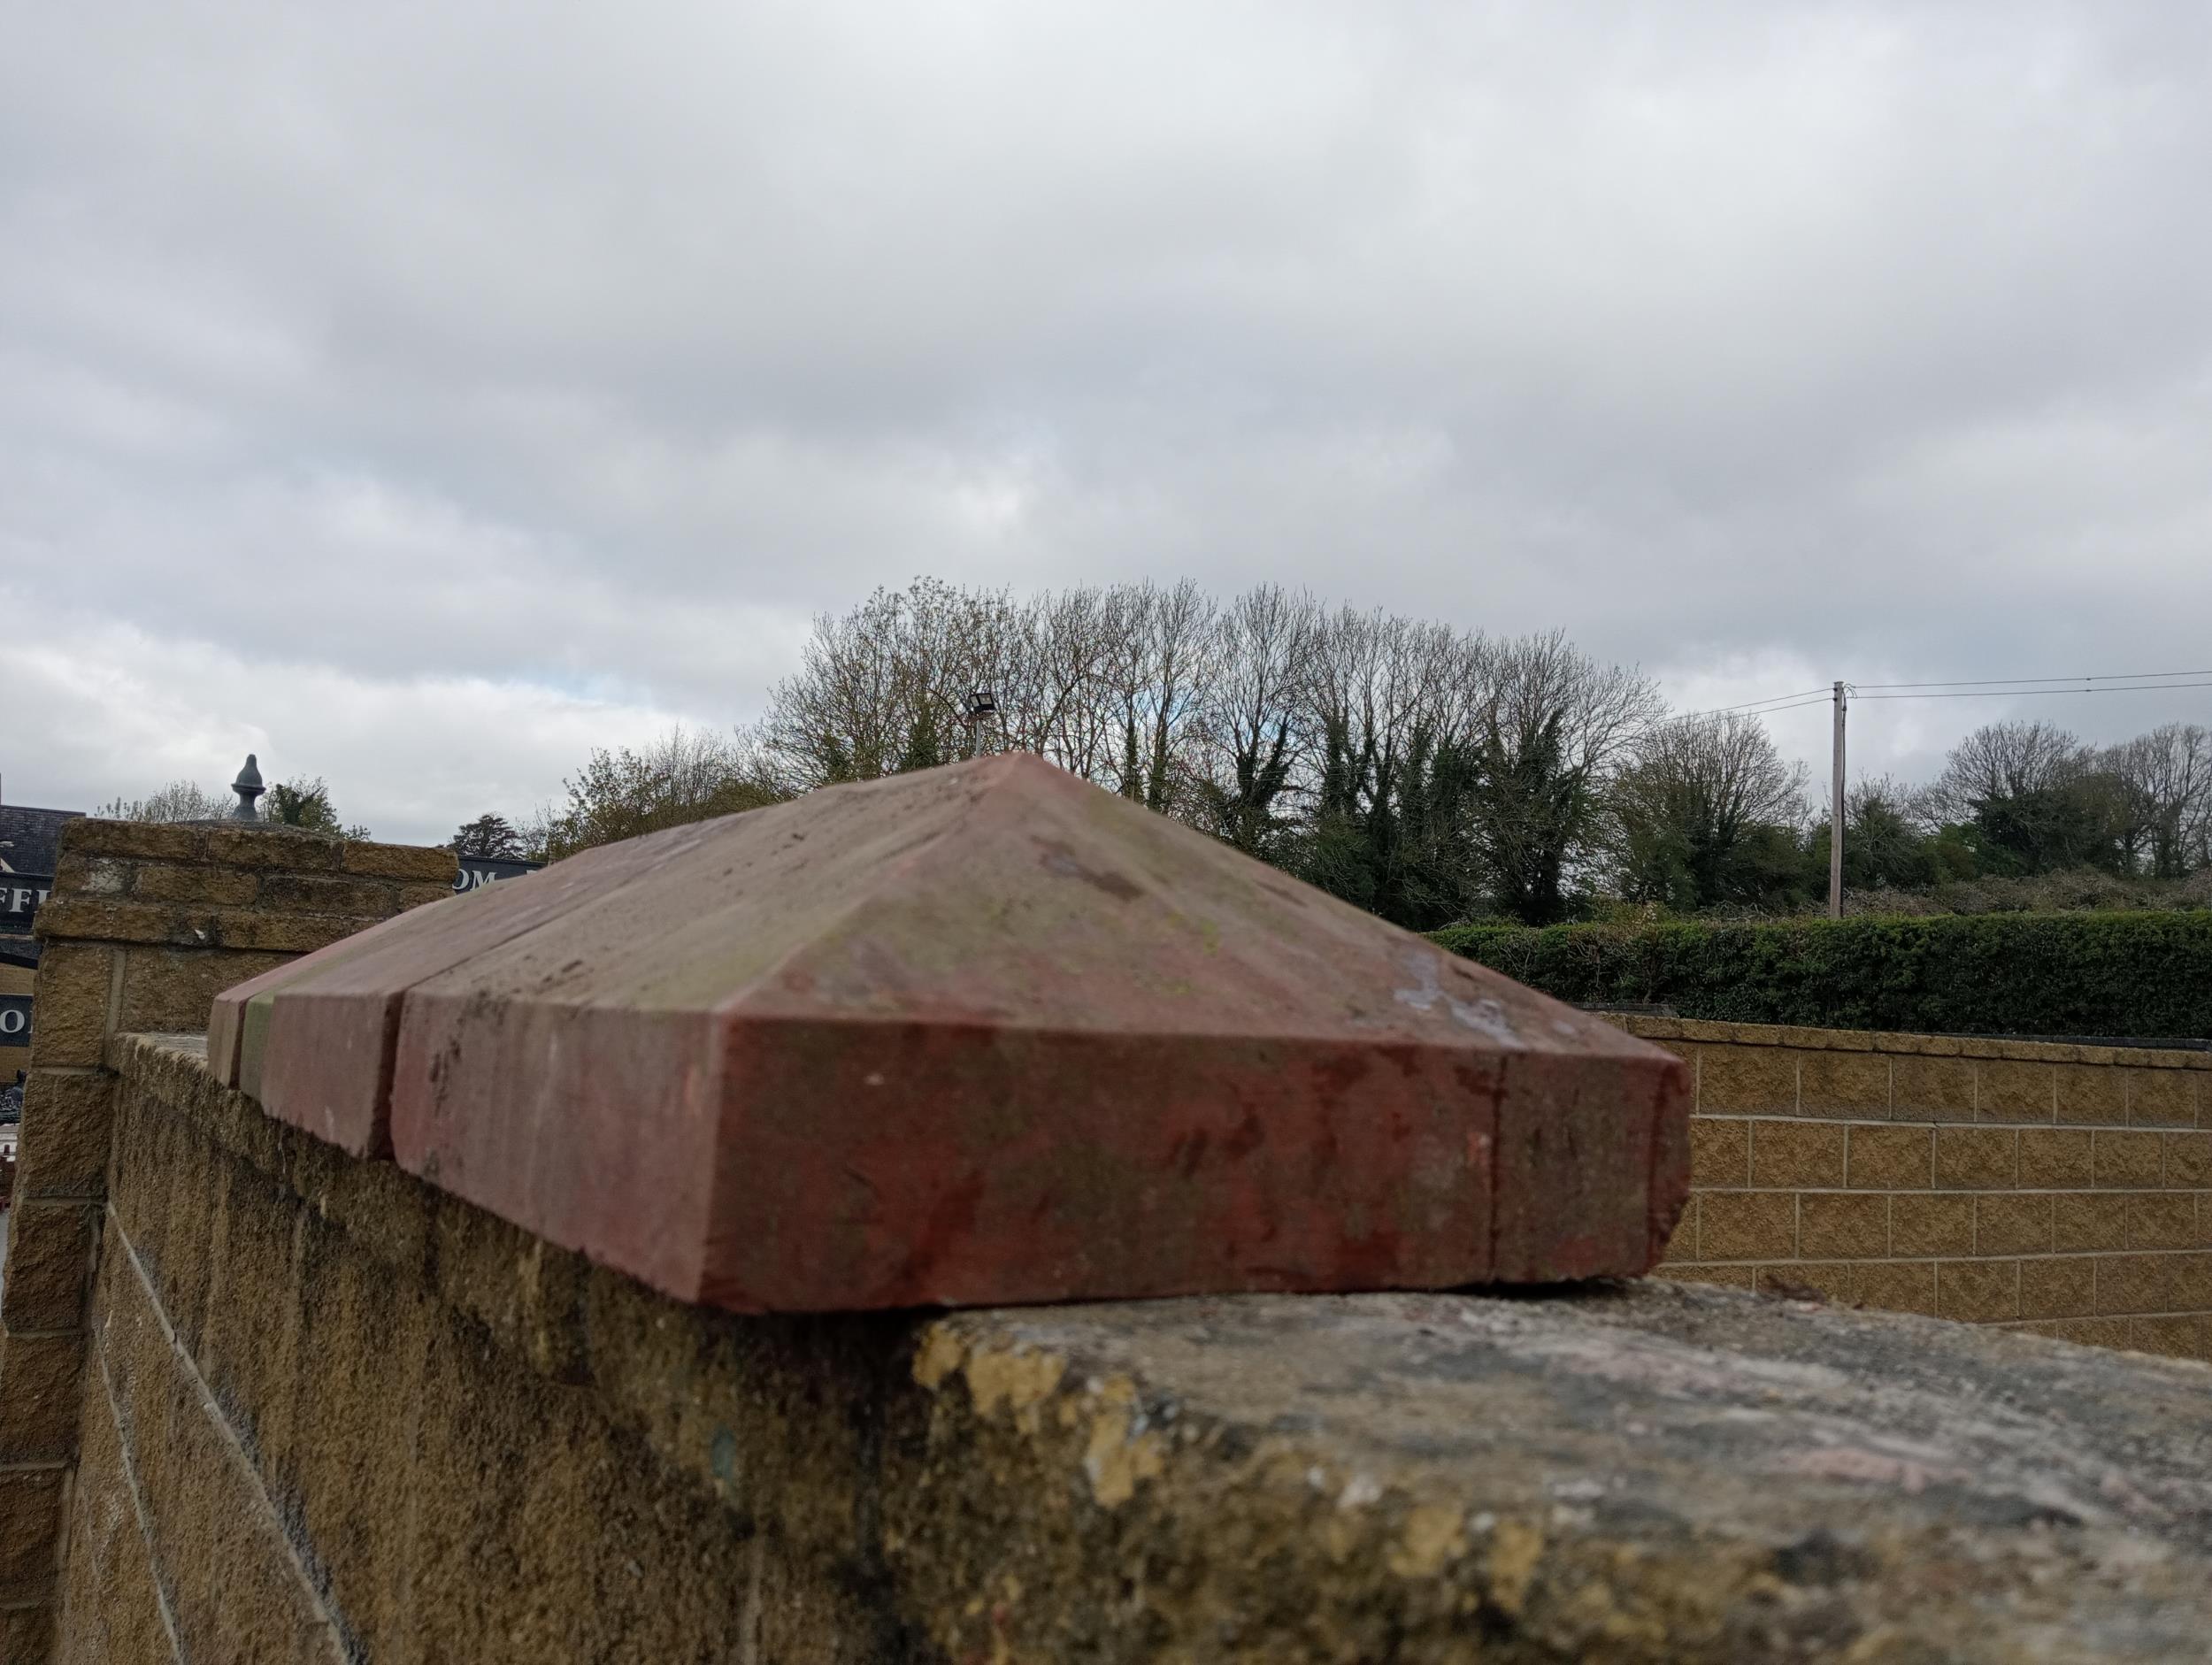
979 1034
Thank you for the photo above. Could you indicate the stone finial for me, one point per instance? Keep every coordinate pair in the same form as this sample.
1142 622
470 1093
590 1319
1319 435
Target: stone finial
248 788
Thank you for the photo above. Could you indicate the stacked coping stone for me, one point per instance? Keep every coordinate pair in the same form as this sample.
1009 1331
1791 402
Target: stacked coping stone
146 924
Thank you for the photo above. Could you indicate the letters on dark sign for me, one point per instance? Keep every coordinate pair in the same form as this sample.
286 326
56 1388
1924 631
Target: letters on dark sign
20 894
15 1020
480 871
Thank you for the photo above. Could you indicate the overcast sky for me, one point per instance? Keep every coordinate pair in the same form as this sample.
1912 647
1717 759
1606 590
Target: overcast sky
421 394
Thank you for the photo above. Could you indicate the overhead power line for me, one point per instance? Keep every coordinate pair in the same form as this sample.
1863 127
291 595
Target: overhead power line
1762 706
1771 710
1839 694
1975 687
2155 678
2008 693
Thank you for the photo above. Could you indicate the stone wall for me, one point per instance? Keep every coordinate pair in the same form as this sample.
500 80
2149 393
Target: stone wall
263 1400
145 924
334 1414
2062 1189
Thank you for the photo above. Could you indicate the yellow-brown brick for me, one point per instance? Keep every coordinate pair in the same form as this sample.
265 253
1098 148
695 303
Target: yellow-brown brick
2090 1221
2162 1098
1741 1080
1977 1158
2132 1283
2056 1158
75 983
1931 1225
2189 1283
1852 1226
1896 1285
1889 1158
2010 1091
2160 1220
1720 1151
2012 1222
2188 1160
2091 1095
1853 1085
1746 1226
2059 1287
2128 1161
1978 1291
1931 1089
1794 1154
2177 1338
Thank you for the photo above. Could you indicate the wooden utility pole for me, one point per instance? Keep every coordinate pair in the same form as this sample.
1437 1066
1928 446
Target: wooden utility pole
1835 818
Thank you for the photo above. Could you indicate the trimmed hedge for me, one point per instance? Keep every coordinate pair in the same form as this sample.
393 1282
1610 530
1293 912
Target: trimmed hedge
2139 975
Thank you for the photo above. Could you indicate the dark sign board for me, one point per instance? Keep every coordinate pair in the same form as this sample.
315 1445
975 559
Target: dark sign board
480 871
20 894
15 1020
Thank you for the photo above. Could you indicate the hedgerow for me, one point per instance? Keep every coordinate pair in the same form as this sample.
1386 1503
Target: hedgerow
2142 975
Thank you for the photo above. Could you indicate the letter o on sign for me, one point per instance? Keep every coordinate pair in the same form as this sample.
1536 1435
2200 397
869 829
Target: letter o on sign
15 1021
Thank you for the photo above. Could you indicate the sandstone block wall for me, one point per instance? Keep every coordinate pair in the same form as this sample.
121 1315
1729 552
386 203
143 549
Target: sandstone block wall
2062 1189
263 1400
334 1414
144 925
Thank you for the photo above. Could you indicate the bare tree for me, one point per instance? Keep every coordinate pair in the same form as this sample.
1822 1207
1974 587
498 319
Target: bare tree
1161 656
1554 727
887 685
1387 782
2008 760
1688 810
686 775
178 801
1250 733
2164 781
2036 798
1047 672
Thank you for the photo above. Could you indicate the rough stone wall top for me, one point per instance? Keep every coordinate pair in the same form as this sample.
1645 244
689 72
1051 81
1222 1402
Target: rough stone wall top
983 1033
256 888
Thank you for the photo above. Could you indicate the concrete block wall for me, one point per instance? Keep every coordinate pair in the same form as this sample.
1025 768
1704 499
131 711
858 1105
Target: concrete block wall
2061 1189
334 1414
261 1400
145 924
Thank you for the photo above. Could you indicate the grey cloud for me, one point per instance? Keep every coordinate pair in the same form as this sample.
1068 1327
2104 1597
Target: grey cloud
592 354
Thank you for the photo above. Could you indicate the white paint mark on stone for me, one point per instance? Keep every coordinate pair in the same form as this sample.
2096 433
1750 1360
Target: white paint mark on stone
1485 1017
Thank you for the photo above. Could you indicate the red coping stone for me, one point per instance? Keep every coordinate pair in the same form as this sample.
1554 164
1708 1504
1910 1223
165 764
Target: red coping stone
243 1007
316 1043
988 1034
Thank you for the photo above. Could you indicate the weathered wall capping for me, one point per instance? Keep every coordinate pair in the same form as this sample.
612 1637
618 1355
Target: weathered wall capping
426 1432
971 1036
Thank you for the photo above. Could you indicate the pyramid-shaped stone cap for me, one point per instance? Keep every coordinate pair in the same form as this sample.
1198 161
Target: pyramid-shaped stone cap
982 1034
